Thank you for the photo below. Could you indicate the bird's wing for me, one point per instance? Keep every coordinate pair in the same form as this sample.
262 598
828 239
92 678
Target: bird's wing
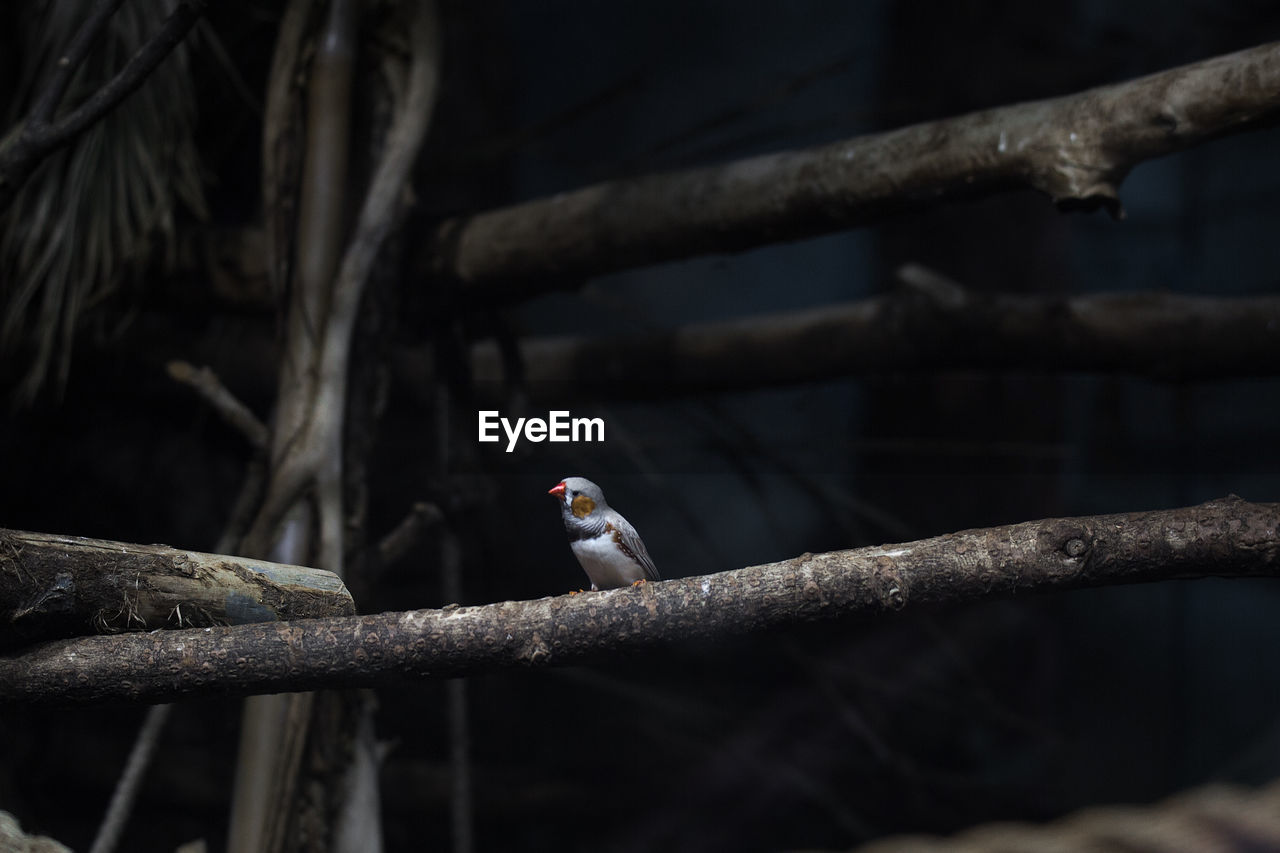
633 546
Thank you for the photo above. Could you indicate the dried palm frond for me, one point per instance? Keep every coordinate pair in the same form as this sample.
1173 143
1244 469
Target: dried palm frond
96 213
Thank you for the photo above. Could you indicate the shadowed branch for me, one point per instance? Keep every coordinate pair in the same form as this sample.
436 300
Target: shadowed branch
928 324
1077 149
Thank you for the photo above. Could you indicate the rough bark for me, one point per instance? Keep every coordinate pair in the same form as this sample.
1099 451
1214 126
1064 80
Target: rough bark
929 324
1223 538
1077 149
64 586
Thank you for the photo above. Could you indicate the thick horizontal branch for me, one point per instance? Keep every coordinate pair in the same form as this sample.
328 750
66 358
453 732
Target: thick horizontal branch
63 586
1224 538
928 324
1077 149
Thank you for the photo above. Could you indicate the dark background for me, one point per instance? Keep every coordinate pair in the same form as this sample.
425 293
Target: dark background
824 736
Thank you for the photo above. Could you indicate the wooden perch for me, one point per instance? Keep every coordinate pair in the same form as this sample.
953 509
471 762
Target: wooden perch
1224 538
64 586
1077 149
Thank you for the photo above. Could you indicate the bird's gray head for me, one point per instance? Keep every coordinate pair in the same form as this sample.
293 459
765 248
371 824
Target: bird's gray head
579 496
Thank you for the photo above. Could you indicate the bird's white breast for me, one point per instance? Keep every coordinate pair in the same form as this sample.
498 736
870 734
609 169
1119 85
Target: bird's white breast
605 563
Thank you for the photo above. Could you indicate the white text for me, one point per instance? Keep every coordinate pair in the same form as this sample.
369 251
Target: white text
559 426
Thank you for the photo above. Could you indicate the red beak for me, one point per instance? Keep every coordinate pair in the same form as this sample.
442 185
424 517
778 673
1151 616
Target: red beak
557 490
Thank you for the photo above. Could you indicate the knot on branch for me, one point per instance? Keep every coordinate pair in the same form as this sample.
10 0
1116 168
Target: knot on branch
1084 180
536 651
890 583
1075 547
1067 151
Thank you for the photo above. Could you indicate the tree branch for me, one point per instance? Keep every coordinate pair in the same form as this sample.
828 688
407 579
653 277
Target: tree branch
307 443
46 104
928 324
408 532
1077 149
39 136
1223 538
307 446
384 204
235 413
61 586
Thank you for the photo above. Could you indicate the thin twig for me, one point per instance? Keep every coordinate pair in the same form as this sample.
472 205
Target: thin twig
421 517
144 746
39 138
127 79
206 383
69 63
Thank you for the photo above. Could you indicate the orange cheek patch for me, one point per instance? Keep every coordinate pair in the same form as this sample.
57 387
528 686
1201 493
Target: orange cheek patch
582 506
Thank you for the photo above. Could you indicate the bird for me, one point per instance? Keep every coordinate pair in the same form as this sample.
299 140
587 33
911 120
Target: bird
608 548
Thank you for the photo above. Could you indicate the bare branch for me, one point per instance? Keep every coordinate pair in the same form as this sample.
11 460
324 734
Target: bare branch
281 142
1224 538
38 138
384 204
1159 335
929 324
61 586
308 449
1077 149
408 532
307 444
46 104
206 383
127 79
297 454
